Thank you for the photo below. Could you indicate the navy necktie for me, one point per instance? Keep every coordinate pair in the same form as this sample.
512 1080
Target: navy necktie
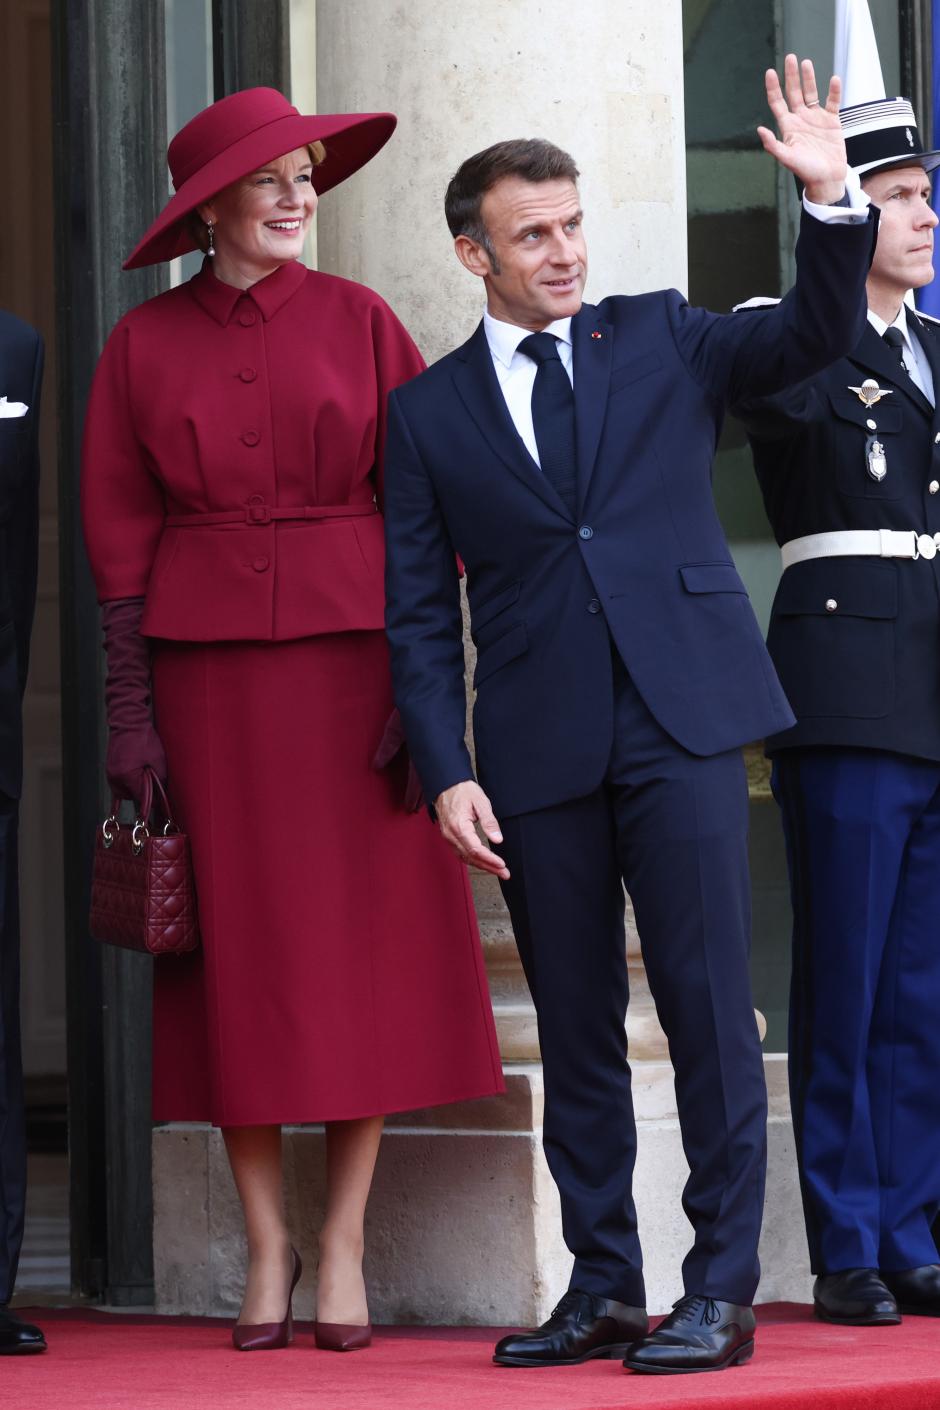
553 417
895 340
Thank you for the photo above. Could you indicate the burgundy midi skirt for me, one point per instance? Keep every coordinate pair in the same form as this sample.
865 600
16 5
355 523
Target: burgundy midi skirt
340 973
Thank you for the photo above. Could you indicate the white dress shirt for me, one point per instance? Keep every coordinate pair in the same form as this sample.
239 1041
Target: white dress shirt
912 354
516 373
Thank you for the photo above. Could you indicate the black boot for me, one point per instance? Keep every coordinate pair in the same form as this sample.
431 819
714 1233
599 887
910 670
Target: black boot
856 1297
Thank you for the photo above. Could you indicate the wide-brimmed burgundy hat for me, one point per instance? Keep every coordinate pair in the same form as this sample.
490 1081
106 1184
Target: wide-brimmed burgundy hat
234 137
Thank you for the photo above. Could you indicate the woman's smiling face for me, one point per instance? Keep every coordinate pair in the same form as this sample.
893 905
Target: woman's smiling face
261 221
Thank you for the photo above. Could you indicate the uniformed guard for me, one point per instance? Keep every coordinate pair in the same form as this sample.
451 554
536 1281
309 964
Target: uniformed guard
849 467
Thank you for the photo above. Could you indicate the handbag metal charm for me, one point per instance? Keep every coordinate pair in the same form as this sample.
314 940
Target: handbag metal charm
876 459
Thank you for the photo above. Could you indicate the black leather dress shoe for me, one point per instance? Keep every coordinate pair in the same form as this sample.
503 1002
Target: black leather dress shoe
917 1290
856 1297
701 1334
582 1327
18 1338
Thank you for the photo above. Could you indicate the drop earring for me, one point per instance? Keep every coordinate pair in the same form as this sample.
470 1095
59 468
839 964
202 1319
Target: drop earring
210 231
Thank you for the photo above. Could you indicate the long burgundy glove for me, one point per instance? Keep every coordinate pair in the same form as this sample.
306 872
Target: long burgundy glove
394 743
133 743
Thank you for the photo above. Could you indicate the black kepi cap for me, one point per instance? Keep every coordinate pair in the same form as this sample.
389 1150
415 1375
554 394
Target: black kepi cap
883 134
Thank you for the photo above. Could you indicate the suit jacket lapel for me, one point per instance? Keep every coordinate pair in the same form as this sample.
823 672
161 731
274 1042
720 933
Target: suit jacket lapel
592 355
477 384
874 355
927 334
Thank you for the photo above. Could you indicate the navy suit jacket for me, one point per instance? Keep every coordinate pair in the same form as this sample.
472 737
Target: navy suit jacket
645 557
21 363
866 672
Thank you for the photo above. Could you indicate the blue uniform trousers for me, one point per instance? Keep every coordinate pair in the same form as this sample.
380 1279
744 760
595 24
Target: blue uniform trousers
863 843
672 827
12 1120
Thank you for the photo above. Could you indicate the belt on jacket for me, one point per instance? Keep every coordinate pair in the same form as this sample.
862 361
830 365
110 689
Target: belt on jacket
868 543
257 512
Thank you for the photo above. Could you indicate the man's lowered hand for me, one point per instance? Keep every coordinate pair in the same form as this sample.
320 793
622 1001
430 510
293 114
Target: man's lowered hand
458 810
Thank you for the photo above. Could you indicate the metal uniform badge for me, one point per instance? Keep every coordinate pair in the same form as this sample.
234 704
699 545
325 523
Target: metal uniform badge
876 462
875 459
870 393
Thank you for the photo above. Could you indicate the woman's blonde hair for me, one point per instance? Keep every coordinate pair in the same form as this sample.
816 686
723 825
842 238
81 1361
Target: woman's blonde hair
196 224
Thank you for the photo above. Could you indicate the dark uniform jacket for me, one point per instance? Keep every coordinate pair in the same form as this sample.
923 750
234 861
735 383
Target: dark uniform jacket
855 640
21 362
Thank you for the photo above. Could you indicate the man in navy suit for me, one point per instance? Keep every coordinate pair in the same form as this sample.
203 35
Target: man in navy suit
21 361
564 453
849 465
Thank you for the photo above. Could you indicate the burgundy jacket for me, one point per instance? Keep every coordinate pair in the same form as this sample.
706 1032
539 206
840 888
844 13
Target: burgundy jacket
232 463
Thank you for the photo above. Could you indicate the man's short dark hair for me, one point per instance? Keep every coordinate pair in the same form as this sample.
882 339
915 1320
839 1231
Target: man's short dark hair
531 158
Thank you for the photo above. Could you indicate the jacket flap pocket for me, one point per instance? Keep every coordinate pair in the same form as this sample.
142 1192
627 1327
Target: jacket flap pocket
886 415
635 369
492 606
711 577
504 649
829 587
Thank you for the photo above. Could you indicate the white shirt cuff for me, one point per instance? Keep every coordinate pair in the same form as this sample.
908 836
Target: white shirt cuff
855 213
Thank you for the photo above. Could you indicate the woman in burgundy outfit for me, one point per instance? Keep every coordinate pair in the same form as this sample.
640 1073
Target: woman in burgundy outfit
232 488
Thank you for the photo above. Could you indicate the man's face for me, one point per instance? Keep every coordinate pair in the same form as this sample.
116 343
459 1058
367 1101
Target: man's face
536 236
904 253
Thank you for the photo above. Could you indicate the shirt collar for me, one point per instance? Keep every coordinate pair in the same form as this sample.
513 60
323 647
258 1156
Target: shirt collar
269 294
900 323
504 338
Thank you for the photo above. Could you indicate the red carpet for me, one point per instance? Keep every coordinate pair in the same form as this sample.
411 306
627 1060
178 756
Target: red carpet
99 1361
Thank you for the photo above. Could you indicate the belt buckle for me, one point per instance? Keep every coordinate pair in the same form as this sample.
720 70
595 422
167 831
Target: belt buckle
257 512
926 546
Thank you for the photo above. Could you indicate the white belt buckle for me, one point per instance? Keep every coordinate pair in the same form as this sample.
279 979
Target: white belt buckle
926 546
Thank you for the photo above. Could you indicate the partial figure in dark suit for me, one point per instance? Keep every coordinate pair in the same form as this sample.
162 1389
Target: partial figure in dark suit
849 466
21 358
619 670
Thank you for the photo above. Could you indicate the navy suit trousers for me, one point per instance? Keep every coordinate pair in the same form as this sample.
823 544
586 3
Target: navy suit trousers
12 1118
863 843
672 827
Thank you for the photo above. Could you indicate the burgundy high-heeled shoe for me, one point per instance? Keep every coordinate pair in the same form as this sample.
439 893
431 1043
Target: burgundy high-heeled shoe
337 1336
270 1336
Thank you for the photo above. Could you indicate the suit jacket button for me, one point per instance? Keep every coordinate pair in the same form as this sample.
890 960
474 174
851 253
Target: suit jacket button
933 486
594 605
261 565
251 437
936 439
248 374
585 532
831 604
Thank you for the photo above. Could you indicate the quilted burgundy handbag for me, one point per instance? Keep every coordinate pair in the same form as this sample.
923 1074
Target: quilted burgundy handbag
142 894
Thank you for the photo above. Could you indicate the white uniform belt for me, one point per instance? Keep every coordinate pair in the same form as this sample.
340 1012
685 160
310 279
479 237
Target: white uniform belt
869 543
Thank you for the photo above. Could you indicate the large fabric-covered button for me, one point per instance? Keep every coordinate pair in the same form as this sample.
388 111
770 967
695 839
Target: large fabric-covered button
247 319
585 532
251 437
248 374
261 565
